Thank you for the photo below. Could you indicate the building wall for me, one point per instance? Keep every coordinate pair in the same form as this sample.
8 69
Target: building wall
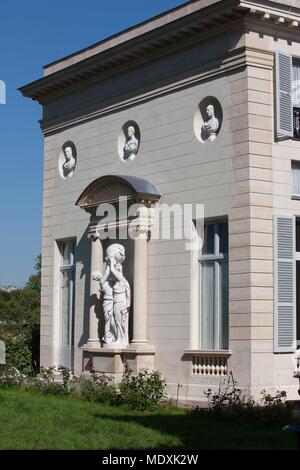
271 184
244 174
185 171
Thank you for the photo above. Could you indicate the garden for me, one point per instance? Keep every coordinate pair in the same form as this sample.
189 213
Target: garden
49 408
54 410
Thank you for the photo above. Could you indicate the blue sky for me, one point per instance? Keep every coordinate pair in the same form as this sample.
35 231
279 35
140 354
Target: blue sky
34 33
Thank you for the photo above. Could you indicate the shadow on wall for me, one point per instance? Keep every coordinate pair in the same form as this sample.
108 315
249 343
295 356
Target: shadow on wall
83 258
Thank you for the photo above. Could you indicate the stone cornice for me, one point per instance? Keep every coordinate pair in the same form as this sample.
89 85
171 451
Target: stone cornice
272 8
146 45
234 60
273 12
172 36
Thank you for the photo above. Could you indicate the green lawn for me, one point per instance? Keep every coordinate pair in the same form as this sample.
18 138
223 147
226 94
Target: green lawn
30 420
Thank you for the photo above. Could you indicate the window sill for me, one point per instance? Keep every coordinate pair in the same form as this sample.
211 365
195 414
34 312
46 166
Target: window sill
208 352
295 197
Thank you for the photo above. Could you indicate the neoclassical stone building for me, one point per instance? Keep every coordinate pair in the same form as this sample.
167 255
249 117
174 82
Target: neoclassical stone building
198 106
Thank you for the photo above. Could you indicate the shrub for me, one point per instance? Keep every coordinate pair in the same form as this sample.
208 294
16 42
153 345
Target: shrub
228 400
270 400
99 393
142 391
228 395
21 343
53 389
98 387
52 380
12 377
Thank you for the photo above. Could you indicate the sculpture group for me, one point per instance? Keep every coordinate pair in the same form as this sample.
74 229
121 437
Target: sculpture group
116 298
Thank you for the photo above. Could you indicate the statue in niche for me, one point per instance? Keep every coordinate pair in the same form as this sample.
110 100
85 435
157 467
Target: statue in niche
211 126
70 163
131 145
116 298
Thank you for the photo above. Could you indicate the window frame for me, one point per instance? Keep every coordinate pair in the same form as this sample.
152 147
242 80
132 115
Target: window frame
216 258
295 195
294 59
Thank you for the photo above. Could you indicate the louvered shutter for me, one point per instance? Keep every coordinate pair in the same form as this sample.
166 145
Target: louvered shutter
284 284
284 111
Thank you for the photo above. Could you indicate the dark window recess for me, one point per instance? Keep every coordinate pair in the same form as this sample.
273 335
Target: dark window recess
209 239
296 113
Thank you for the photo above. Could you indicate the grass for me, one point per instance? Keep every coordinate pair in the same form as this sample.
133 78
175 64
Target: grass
30 420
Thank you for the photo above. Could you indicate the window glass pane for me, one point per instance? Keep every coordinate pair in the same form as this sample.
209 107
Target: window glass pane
224 301
209 239
223 234
296 83
214 288
67 252
66 306
207 307
296 177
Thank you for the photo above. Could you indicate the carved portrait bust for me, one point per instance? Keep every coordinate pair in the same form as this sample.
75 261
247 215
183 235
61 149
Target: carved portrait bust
70 162
131 145
211 126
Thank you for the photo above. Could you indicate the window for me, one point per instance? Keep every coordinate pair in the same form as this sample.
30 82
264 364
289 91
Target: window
213 264
67 275
296 179
288 95
296 97
296 82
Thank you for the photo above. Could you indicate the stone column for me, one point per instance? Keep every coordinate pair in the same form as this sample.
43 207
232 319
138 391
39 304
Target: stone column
140 287
96 265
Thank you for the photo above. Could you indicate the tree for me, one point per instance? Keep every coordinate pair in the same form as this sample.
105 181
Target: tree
19 323
23 305
34 281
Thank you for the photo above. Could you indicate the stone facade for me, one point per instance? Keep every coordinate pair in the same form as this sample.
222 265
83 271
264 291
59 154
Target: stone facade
156 75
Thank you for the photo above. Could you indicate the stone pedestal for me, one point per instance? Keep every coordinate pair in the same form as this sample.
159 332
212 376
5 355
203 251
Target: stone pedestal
113 361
